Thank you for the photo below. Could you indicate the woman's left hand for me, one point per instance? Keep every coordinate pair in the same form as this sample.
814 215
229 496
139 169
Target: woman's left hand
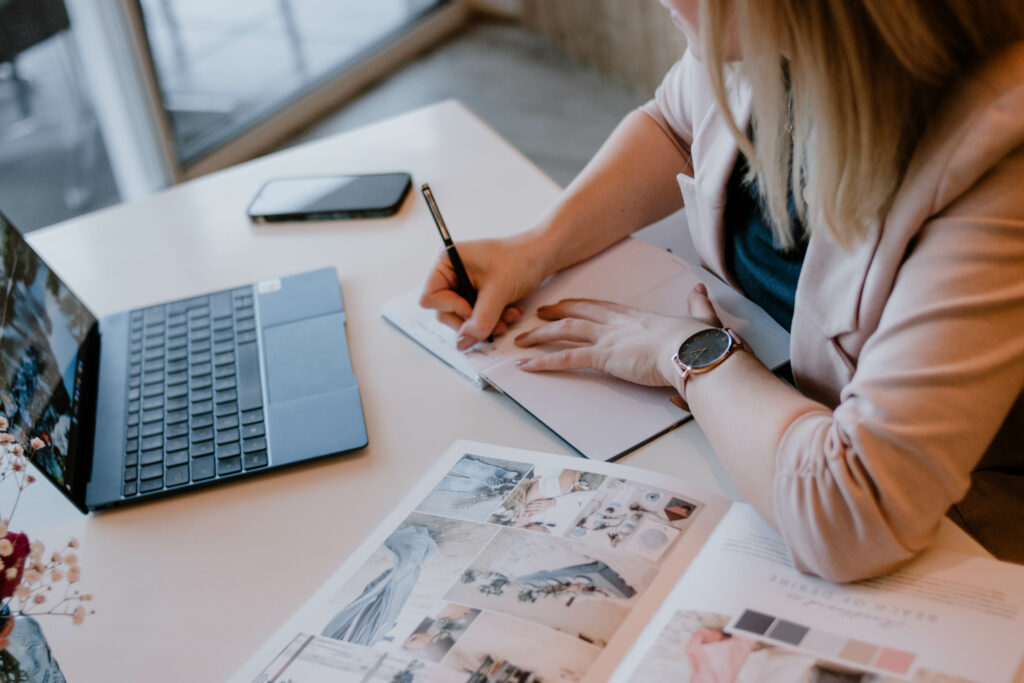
625 342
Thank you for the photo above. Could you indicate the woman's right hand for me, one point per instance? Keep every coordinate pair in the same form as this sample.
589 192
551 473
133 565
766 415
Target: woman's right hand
503 271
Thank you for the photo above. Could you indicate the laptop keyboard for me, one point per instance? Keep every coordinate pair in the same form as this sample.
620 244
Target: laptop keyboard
195 402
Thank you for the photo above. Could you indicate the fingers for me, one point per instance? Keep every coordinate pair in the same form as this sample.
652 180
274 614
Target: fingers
483 322
511 314
441 278
569 359
565 330
453 310
455 322
439 291
588 309
450 320
701 308
446 301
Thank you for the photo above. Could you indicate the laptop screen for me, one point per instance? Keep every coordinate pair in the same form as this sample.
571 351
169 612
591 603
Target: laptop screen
43 328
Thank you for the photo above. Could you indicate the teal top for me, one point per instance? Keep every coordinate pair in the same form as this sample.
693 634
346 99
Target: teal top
767 273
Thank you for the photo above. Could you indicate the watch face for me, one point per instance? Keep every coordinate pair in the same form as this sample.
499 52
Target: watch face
704 348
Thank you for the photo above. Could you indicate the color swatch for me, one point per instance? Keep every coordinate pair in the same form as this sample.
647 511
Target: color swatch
851 651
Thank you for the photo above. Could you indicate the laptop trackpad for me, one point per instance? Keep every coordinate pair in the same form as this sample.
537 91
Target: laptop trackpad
307 358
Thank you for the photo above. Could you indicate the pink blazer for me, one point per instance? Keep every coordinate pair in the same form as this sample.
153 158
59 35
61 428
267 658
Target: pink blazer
913 341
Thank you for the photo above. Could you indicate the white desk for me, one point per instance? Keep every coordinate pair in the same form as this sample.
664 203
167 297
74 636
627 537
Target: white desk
189 587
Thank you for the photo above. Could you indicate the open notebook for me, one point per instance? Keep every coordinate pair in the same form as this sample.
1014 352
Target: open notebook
600 416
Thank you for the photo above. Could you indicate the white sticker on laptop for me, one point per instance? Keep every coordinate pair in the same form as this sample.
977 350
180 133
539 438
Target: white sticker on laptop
268 286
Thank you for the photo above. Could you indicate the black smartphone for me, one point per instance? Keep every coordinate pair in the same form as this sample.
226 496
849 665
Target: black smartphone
330 197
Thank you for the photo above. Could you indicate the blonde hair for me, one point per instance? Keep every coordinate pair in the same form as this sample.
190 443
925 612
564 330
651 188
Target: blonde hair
841 93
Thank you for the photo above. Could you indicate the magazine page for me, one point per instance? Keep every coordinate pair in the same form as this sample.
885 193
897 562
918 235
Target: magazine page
742 613
501 565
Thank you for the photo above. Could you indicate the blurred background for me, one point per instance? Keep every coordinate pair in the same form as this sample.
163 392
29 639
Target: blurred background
104 101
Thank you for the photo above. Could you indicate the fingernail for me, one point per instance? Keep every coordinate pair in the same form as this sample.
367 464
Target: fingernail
701 289
463 342
522 361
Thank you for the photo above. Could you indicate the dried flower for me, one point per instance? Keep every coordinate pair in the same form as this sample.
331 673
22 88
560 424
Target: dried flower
17 549
86 597
25 574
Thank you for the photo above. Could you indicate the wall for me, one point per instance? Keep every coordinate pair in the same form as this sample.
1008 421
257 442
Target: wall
630 41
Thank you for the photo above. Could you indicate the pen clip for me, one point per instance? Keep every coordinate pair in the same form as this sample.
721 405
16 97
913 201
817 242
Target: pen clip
435 213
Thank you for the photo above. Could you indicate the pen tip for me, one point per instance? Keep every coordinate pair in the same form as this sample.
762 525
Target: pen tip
425 187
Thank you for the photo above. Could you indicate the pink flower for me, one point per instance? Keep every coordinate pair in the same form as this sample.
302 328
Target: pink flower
6 438
36 443
15 560
78 616
73 543
17 450
6 547
57 575
37 548
38 599
74 574
71 559
55 558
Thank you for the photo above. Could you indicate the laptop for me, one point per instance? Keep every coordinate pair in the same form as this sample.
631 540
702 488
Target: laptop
177 395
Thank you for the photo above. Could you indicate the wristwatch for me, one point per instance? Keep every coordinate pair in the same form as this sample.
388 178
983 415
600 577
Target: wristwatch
704 351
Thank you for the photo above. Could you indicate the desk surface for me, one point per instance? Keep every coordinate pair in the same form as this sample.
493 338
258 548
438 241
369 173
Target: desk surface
189 587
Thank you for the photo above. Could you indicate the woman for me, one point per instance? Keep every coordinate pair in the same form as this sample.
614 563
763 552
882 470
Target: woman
899 257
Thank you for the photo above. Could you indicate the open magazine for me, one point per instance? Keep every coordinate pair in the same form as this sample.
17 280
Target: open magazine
510 565
600 416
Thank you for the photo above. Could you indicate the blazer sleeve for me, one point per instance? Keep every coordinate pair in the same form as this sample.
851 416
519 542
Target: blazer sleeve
861 489
670 107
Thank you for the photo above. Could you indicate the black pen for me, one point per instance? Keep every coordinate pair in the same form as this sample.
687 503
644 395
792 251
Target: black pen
463 286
